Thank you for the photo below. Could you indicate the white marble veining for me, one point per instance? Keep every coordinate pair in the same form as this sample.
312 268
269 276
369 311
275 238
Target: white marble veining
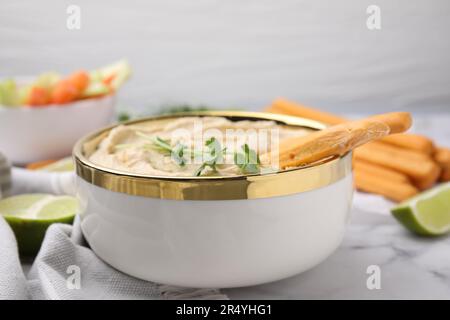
411 267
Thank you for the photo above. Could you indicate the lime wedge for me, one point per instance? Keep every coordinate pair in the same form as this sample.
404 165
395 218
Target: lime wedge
30 215
427 213
63 165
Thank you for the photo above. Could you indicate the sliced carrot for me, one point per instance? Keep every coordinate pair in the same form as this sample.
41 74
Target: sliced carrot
38 97
109 79
80 79
64 92
39 164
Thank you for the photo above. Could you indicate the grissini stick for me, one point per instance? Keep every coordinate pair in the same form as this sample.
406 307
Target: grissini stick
411 141
442 157
423 171
407 141
380 171
395 190
338 139
445 175
381 147
295 109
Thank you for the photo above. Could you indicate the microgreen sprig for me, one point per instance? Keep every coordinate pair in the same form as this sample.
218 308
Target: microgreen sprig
161 145
177 152
212 157
248 161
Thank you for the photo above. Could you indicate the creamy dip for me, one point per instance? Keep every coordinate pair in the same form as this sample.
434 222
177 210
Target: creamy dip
153 147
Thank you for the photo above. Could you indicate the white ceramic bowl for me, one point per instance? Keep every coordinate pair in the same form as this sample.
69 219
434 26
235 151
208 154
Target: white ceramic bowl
215 232
50 132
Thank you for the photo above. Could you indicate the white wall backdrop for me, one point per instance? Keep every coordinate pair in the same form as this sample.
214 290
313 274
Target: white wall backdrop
244 53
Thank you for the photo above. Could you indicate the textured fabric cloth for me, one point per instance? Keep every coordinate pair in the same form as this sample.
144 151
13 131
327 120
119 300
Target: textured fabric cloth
5 176
28 181
66 268
64 256
12 280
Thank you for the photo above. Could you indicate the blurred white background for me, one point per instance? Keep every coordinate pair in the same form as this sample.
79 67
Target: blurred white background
244 53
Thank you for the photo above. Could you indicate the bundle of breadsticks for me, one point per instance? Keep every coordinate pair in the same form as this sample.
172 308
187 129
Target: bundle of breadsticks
397 166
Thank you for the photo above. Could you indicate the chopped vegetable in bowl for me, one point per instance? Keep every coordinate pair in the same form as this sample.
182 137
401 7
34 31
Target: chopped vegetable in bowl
51 88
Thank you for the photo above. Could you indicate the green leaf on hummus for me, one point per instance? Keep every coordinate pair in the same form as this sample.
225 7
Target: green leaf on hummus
212 157
248 162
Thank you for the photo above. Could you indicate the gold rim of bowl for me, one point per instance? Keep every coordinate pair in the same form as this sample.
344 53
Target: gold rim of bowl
257 186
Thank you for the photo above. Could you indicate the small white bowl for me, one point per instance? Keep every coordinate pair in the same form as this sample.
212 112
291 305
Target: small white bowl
34 134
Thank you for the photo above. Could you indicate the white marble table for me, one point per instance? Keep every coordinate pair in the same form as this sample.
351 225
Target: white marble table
411 267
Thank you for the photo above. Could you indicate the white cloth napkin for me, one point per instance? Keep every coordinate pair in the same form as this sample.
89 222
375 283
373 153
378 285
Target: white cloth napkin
64 252
64 256
12 280
5 176
28 181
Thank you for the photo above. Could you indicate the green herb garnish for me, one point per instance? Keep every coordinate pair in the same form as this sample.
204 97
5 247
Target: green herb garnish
248 161
123 116
178 153
163 146
212 157
183 107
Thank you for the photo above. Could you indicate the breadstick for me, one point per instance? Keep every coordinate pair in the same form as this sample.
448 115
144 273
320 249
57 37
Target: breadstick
381 146
394 190
339 139
295 109
397 121
442 157
411 141
388 174
445 176
428 182
408 141
417 169
408 155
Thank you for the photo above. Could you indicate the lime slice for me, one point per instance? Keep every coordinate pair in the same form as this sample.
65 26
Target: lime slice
30 215
427 213
63 165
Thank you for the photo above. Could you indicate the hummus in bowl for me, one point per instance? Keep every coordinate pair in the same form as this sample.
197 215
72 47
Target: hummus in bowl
185 200
179 147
